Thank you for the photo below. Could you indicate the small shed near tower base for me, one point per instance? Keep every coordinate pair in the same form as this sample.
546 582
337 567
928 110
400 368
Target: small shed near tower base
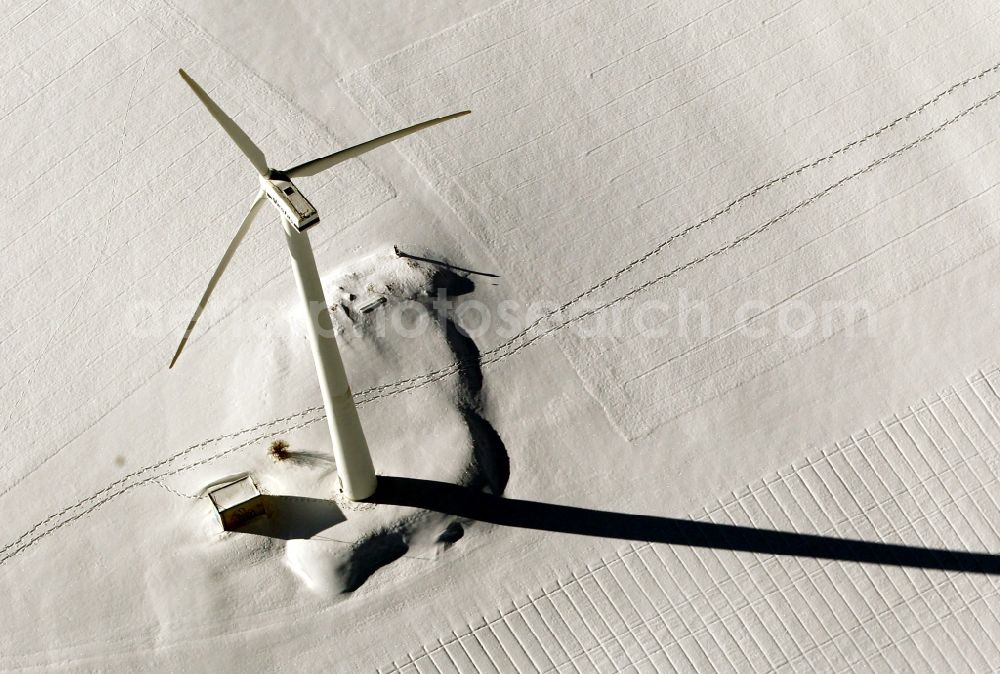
237 501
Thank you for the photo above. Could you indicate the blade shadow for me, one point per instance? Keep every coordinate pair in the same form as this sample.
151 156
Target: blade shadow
472 504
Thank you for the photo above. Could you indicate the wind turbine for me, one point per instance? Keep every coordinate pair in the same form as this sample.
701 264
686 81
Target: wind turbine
350 449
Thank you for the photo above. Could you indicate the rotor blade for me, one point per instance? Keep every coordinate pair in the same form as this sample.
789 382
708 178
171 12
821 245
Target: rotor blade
316 165
242 140
233 245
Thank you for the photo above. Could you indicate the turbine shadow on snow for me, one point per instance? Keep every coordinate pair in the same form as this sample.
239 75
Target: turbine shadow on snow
476 505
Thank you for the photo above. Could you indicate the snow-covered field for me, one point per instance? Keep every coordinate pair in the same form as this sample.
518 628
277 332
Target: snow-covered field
686 265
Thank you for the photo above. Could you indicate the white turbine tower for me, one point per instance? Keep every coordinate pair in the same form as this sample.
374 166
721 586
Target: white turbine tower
350 450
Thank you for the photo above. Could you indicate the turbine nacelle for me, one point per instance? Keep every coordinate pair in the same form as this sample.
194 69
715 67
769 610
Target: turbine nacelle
290 202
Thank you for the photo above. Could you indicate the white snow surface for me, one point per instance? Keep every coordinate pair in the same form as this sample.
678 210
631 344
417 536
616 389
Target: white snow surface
800 194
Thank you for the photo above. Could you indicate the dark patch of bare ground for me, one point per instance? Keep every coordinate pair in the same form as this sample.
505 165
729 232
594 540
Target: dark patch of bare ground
488 469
